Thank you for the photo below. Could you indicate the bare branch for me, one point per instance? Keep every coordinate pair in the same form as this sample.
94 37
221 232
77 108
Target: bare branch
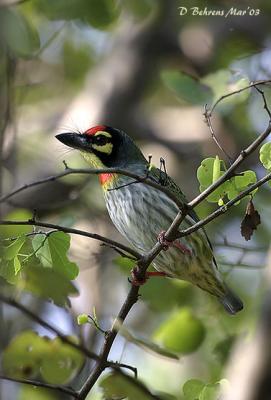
68 171
61 389
75 232
225 96
13 303
207 116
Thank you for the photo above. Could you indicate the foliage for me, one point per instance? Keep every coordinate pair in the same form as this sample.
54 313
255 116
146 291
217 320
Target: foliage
211 169
29 355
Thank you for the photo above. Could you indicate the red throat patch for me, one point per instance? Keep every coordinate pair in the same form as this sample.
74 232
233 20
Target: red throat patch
105 178
95 129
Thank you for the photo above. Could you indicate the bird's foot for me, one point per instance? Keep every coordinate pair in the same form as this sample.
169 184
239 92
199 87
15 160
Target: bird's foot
176 243
137 280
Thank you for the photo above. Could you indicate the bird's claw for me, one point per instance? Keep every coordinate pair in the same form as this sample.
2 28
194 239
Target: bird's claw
137 279
176 243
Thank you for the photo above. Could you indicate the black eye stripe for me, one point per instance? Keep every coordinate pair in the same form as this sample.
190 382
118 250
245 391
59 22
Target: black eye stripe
100 140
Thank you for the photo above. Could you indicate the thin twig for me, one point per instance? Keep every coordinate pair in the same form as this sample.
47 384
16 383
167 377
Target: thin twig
61 389
252 84
75 232
13 303
68 171
207 116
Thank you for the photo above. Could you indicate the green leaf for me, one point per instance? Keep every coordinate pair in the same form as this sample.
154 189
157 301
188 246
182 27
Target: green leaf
192 389
125 264
19 33
175 292
7 271
29 354
52 252
210 392
225 81
186 87
17 265
82 319
191 332
61 363
7 231
216 169
212 169
265 155
47 283
11 251
118 387
98 13
245 179
21 357
31 392
76 61
154 347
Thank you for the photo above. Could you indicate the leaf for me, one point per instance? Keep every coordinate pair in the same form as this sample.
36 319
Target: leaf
223 348
245 179
31 392
17 265
211 169
82 319
265 155
125 264
250 222
182 332
7 231
52 252
7 271
186 87
192 389
61 363
98 13
216 169
225 81
29 354
210 392
19 33
11 251
177 293
118 387
47 283
144 343
21 357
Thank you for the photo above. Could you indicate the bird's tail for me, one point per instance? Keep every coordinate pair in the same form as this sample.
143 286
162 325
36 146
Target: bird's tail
231 302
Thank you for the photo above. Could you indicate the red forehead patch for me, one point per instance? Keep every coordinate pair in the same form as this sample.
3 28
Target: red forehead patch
95 129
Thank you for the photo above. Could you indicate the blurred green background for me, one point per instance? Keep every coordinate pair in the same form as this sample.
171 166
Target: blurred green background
139 66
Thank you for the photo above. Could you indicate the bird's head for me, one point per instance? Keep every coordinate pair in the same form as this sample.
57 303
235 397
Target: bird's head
104 147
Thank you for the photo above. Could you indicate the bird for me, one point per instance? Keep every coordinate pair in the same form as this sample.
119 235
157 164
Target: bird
143 213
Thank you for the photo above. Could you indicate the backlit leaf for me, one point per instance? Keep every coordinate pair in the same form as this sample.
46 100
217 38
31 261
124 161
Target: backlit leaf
265 155
186 87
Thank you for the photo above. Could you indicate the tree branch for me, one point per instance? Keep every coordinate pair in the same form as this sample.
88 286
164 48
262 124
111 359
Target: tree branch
225 96
61 389
97 171
223 209
74 231
13 303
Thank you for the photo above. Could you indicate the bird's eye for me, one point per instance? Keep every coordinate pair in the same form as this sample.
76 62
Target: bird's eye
101 140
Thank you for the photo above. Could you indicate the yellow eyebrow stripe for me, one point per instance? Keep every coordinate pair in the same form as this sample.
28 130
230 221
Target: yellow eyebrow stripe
103 133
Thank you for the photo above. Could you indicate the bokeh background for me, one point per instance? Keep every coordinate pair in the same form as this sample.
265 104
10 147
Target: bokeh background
137 65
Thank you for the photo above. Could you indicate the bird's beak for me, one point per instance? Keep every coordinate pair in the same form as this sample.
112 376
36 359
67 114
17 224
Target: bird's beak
74 140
